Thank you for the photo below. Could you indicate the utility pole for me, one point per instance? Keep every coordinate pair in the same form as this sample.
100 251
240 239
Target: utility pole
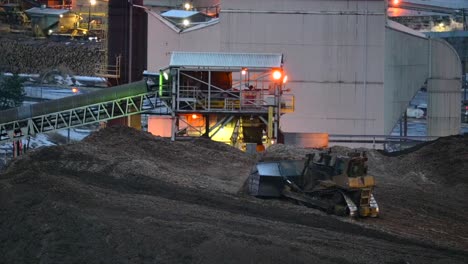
130 41
91 3
464 80
89 17
465 26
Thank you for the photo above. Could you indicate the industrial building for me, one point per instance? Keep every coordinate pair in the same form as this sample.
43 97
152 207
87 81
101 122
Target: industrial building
352 70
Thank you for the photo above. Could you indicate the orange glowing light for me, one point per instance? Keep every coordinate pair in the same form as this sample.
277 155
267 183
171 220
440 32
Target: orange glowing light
396 2
74 90
277 75
194 116
244 71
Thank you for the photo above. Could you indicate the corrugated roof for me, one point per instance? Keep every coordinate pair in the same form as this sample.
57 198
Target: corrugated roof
179 13
46 11
234 60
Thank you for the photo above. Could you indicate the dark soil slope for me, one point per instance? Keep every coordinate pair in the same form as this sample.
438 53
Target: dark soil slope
124 196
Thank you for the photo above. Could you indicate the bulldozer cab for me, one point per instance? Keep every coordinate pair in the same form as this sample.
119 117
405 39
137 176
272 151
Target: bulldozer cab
328 170
357 168
355 175
340 166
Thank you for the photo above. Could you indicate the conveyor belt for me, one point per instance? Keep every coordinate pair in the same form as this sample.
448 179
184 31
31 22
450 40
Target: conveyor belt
78 110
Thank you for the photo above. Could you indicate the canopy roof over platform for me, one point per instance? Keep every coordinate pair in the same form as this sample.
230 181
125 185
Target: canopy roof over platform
226 60
46 11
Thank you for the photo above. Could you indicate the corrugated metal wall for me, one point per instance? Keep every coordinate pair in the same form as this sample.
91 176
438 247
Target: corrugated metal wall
350 74
406 70
409 62
443 87
333 54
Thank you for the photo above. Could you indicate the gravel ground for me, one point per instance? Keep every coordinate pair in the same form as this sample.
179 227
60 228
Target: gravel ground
124 196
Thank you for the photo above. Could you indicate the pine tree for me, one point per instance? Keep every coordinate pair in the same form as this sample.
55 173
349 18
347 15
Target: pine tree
11 91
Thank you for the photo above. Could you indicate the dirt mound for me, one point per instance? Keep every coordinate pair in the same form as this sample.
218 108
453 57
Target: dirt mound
443 161
285 152
125 196
121 152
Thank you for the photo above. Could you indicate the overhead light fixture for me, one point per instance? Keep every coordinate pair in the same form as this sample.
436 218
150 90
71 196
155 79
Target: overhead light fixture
244 71
166 77
186 22
277 74
187 6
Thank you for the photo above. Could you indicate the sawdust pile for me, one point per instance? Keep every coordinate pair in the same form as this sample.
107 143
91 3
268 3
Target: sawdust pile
129 155
285 152
124 196
422 191
21 53
443 161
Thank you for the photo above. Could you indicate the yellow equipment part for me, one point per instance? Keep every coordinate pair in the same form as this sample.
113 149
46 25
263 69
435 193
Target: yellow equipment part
134 121
364 211
361 182
374 211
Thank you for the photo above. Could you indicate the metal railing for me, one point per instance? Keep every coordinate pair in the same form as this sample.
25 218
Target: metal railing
386 142
110 71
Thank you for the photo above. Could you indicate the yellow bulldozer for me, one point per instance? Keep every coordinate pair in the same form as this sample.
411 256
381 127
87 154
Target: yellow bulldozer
336 184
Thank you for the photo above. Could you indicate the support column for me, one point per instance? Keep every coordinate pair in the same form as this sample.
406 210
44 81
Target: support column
207 126
405 122
174 74
465 79
277 111
270 125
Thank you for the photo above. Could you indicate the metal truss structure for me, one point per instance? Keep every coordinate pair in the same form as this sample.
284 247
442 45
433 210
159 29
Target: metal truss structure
80 116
